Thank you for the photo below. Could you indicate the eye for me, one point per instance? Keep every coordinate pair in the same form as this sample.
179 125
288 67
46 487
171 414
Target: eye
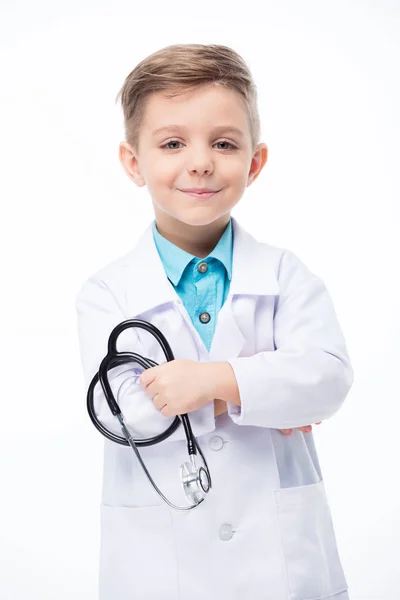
167 145
229 144
171 142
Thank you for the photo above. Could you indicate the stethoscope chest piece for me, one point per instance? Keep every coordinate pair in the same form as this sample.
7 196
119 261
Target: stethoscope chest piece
195 482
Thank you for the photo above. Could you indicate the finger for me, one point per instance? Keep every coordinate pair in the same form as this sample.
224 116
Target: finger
286 431
152 390
166 411
148 376
305 428
158 402
161 404
318 422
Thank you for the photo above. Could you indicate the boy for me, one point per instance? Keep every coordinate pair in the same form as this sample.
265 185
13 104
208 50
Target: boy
257 349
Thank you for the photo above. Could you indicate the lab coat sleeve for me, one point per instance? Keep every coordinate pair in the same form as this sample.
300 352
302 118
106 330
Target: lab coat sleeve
98 312
307 377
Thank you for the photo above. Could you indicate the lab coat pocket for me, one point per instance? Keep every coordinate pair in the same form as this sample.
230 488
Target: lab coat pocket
137 555
313 567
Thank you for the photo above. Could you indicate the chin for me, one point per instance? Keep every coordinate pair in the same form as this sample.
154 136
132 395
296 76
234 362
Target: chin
198 220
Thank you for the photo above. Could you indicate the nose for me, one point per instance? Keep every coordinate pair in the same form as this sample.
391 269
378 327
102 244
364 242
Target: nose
200 162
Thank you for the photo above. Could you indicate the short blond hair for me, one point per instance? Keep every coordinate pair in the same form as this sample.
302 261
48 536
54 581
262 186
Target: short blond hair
183 67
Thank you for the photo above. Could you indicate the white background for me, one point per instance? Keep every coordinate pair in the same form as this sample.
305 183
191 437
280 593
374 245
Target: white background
328 80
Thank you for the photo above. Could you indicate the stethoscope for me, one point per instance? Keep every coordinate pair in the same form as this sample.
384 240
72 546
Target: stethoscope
196 482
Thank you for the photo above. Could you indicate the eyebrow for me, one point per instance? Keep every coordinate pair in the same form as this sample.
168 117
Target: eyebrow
219 128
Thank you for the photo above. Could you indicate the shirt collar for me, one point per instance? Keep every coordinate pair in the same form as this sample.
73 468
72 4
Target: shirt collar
175 259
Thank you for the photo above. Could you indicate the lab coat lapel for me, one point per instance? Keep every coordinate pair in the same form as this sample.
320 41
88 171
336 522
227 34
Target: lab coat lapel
228 339
252 276
148 287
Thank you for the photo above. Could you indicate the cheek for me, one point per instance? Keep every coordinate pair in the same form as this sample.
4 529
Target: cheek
160 169
160 172
233 170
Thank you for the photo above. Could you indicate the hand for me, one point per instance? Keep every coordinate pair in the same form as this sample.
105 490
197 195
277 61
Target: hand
179 386
305 429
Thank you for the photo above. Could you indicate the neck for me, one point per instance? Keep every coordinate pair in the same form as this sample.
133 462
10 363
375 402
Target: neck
199 241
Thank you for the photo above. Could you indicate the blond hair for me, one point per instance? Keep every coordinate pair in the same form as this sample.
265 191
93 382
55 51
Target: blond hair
184 67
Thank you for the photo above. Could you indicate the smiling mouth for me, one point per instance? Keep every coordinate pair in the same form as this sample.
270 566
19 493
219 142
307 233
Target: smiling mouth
203 195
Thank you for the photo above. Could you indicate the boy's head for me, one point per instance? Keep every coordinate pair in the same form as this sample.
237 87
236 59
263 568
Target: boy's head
201 91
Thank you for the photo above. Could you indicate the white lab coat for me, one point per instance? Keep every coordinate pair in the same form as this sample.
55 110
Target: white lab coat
264 531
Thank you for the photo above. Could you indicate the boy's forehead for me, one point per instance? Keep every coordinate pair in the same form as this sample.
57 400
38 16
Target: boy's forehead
217 105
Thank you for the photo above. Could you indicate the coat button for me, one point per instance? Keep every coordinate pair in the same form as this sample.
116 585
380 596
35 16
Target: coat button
202 267
204 317
216 442
225 532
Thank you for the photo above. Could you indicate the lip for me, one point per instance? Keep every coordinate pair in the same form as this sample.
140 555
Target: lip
200 194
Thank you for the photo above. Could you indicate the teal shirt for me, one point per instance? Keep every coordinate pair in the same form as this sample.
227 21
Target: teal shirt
203 290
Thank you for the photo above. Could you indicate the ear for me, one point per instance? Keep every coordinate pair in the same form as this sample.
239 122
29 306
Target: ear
130 164
258 161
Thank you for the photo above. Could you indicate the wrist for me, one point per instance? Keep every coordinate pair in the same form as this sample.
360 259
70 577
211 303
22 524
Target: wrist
223 382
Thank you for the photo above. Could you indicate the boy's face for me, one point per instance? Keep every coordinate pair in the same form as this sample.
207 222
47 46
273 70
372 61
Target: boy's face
199 151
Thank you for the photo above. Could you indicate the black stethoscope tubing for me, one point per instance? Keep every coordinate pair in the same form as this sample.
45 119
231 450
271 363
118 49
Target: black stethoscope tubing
115 358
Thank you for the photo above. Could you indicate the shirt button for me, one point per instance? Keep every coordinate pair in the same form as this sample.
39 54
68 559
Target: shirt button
204 317
225 532
202 267
216 442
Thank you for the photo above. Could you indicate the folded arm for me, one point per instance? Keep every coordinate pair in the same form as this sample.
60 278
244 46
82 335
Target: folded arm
308 376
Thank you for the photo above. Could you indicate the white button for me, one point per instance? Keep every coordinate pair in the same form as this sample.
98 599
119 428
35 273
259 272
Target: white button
225 532
202 267
216 442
